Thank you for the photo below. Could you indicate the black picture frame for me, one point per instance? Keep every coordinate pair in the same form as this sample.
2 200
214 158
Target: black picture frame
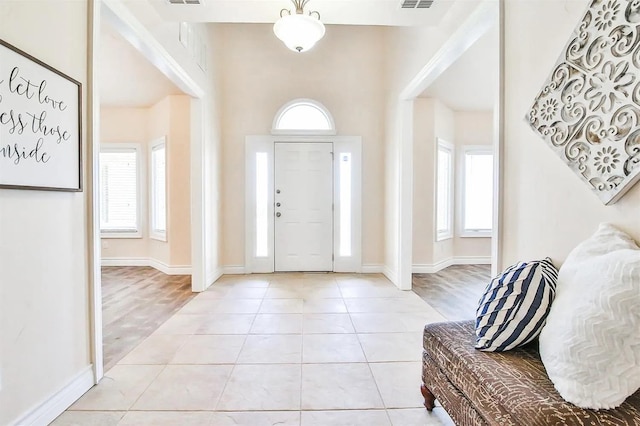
40 124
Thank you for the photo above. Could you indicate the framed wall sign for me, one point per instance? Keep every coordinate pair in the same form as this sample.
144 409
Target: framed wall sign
40 124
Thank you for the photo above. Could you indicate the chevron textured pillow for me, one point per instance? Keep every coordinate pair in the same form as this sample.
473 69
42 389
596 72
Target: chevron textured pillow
515 305
590 345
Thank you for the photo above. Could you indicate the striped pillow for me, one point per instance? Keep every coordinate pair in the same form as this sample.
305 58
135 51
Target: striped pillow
515 305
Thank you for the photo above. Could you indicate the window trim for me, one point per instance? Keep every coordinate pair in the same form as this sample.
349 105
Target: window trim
447 234
120 147
154 233
462 232
309 132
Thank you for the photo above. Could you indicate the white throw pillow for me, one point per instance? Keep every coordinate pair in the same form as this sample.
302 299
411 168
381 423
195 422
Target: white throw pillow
590 345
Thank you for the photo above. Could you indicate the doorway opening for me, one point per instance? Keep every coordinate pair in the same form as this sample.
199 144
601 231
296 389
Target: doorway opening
138 215
303 194
459 195
303 225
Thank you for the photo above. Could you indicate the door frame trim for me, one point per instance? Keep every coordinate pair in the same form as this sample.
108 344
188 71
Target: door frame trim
124 22
483 17
266 144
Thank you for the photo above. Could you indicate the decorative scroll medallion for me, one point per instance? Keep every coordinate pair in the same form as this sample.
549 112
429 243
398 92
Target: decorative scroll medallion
588 110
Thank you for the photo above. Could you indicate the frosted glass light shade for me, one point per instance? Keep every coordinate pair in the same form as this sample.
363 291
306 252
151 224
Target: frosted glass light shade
299 32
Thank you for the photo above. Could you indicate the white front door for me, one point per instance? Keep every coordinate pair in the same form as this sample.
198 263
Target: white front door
303 207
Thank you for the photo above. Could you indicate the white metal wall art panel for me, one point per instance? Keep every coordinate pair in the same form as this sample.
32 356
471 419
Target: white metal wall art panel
588 110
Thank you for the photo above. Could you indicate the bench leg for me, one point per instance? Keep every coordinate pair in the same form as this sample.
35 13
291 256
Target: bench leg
429 398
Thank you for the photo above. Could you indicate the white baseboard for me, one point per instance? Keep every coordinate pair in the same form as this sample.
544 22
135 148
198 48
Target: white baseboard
432 268
390 274
472 260
213 276
124 261
459 260
170 269
52 407
372 269
240 270
146 261
233 270
382 269
423 269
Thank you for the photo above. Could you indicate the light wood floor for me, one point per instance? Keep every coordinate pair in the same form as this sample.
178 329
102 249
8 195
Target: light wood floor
135 302
454 291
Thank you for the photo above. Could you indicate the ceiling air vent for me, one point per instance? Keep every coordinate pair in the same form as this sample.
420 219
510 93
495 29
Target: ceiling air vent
198 2
416 4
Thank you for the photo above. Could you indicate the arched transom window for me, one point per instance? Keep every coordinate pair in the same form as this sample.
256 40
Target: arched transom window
303 116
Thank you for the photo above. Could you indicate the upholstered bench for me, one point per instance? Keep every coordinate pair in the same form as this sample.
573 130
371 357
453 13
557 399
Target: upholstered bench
501 388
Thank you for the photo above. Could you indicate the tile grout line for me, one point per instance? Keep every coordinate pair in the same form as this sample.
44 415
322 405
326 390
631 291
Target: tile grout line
211 412
246 337
146 388
384 407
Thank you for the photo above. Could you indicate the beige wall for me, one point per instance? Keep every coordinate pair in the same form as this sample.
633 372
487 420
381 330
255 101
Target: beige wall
212 158
160 125
167 33
423 180
205 148
344 72
431 120
44 300
44 286
472 128
179 182
123 125
407 51
547 209
169 117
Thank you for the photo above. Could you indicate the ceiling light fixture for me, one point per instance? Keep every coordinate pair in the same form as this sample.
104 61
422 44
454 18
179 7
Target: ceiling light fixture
299 32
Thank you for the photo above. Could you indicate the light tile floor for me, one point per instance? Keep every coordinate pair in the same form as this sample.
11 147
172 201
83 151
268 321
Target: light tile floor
287 349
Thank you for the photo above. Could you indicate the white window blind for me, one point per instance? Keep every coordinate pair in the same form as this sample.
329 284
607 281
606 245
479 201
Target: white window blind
119 190
158 190
444 191
477 203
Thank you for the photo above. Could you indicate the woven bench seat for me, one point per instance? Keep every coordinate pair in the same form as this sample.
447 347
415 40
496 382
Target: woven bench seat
508 388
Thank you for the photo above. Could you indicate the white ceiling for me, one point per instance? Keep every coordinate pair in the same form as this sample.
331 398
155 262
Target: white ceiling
348 12
470 83
127 79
